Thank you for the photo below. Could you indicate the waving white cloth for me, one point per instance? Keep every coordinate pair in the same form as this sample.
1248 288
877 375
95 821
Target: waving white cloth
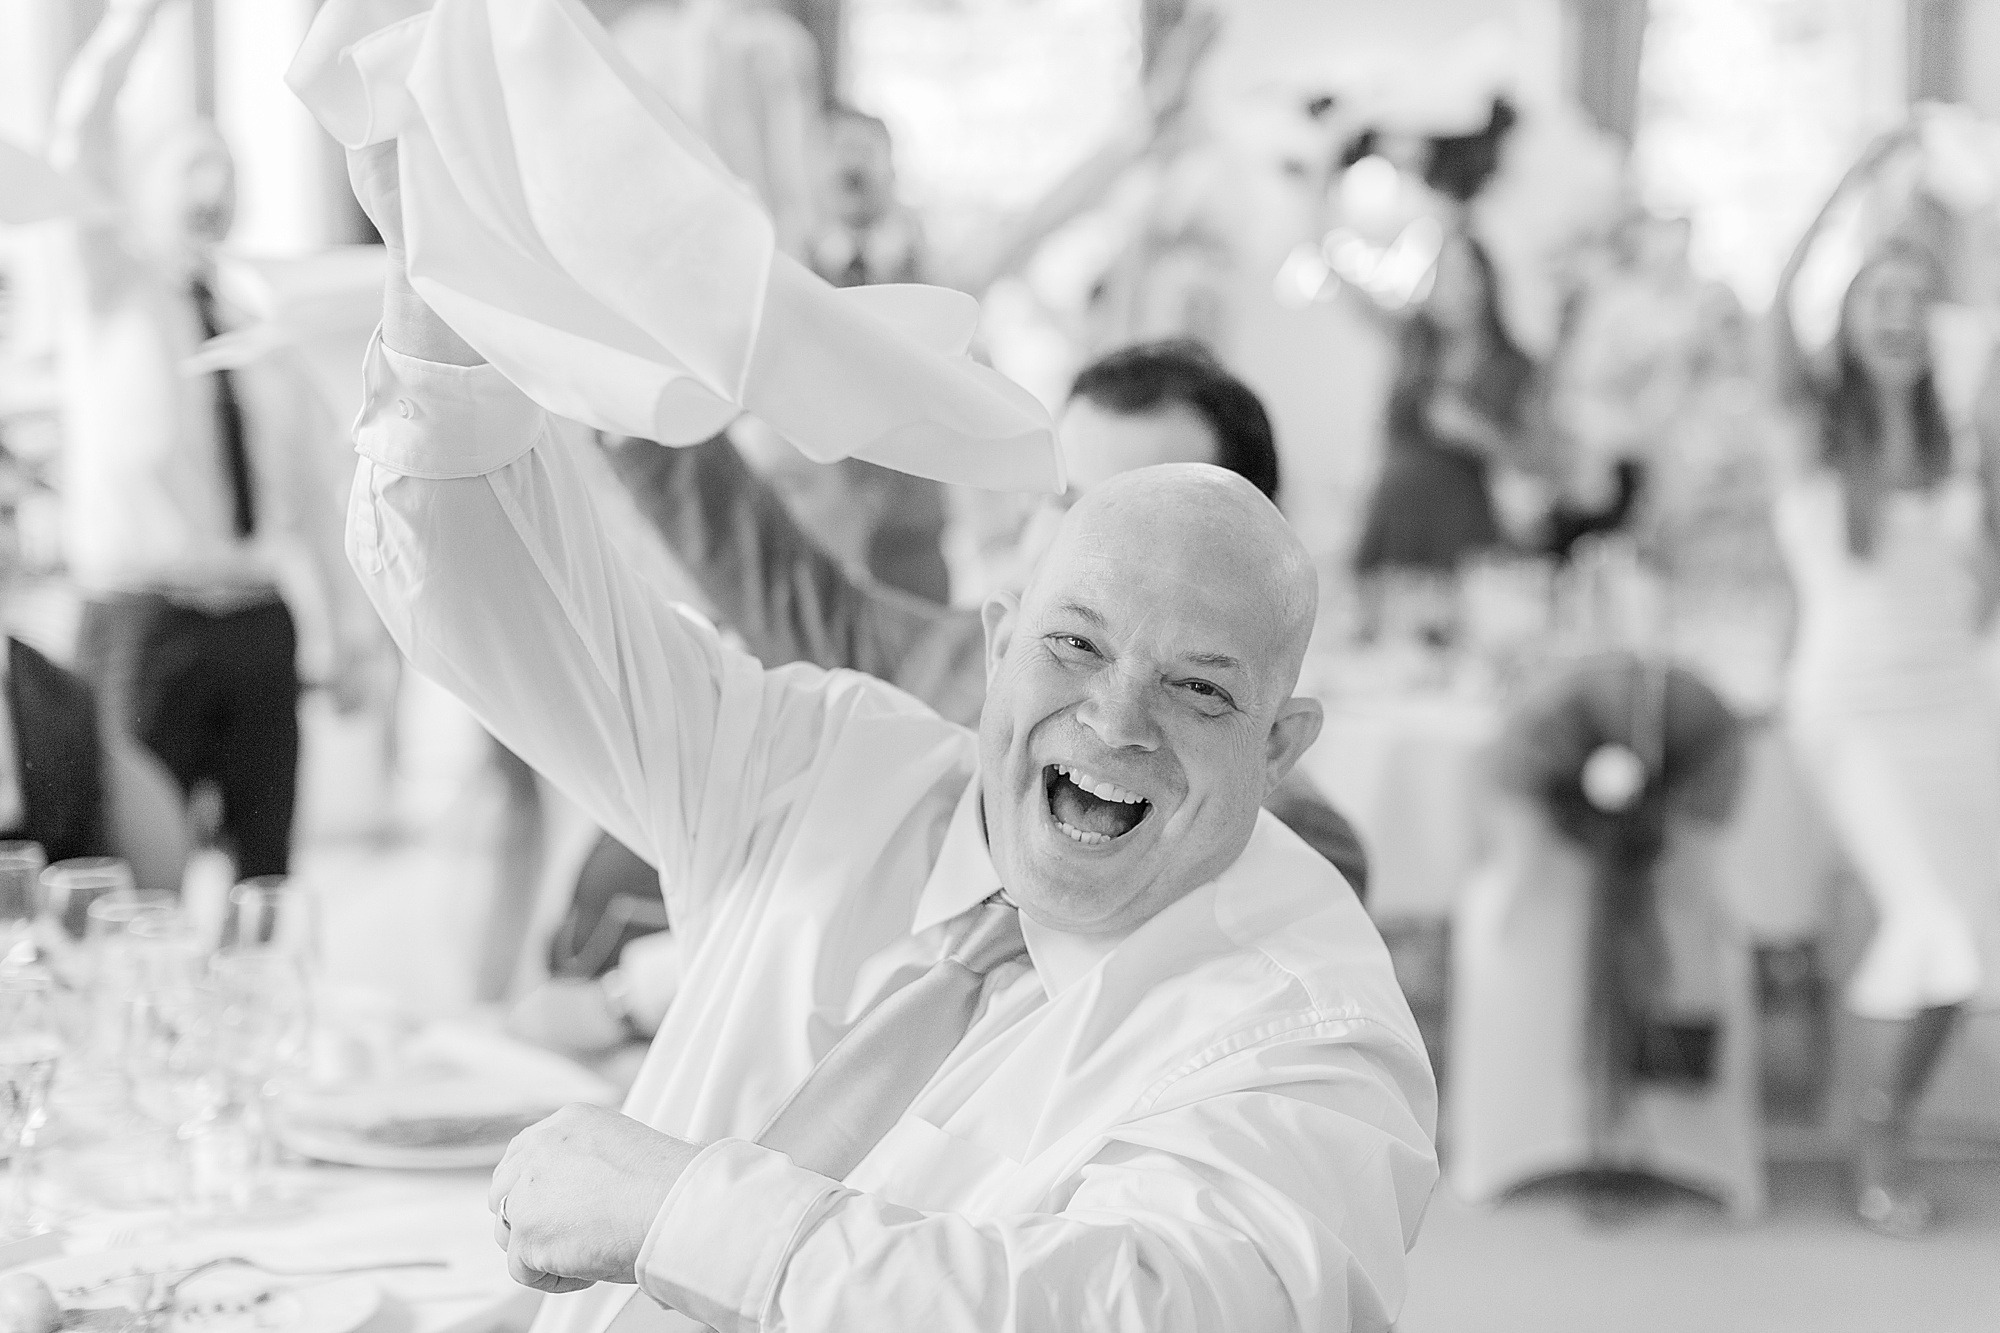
567 225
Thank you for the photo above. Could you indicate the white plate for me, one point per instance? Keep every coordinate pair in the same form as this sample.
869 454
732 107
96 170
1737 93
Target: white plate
352 1145
457 1098
227 1300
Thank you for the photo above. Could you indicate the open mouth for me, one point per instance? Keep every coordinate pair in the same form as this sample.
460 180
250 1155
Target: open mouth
1090 810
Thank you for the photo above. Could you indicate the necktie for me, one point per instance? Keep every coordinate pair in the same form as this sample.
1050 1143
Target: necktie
862 1087
228 421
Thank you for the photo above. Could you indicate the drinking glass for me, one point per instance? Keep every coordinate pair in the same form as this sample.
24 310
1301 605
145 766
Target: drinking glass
21 866
272 913
126 937
167 1041
263 1027
30 1048
70 887
263 975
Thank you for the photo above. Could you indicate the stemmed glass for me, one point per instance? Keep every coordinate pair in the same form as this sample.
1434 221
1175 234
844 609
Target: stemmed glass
30 1047
70 887
168 1040
117 960
272 913
262 978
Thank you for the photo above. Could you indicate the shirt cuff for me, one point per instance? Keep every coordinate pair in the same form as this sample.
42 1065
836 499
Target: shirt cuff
720 1242
435 421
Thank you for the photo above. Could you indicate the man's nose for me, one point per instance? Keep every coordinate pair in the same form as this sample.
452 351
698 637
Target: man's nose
1119 712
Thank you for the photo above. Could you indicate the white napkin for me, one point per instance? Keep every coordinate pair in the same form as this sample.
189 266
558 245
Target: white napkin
587 243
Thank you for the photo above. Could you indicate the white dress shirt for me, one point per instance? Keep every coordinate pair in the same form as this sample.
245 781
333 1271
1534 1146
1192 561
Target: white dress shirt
1222 1120
146 494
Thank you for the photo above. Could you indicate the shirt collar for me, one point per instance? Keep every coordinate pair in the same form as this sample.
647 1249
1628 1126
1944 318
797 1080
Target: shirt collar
964 876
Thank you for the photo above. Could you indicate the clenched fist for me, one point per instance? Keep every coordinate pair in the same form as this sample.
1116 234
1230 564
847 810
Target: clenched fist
581 1190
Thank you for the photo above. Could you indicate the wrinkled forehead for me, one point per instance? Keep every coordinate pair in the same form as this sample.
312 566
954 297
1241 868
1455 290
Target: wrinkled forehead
1170 601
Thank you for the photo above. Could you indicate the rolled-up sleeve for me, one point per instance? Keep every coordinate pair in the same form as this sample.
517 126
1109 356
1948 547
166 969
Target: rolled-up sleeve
1279 1190
478 541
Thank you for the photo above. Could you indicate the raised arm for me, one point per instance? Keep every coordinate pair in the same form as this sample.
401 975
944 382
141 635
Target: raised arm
83 139
84 136
1792 370
782 592
476 536
1166 96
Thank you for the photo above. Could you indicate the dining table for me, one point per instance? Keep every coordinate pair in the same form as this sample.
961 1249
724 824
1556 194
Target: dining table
333 1224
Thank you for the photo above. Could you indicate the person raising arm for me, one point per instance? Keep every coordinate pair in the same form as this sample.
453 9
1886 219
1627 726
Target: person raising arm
1036 1028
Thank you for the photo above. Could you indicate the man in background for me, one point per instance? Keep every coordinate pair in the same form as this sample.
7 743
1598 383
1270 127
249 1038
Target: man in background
184 493
63 784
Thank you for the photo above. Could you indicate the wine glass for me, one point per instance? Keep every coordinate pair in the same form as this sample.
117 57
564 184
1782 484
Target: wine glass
167 1041
21 866
274 913
122 942
262 1007
70 887
30 1048
263 974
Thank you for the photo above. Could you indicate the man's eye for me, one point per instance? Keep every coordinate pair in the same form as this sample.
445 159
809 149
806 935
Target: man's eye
1073 643
1207 690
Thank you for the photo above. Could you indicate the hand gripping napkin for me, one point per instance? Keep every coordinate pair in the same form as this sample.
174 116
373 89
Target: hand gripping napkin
574 232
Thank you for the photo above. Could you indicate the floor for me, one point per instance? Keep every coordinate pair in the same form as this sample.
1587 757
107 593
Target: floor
396 886
1537 1262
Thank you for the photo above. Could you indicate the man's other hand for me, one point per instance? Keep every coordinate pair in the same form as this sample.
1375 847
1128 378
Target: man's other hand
581 1191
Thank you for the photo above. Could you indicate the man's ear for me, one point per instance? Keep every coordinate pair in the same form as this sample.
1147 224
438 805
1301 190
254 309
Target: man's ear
999 615
1292 733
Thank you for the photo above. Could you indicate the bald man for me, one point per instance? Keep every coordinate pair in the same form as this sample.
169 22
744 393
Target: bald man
791 600
1046 1026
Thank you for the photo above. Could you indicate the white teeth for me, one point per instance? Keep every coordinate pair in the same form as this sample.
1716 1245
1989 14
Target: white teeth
1098 787
1084 836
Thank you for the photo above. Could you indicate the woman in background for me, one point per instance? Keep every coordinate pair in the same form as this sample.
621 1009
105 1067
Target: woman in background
1888 540
1458 403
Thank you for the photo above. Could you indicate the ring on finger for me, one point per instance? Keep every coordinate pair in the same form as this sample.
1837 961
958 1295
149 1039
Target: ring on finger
502 1210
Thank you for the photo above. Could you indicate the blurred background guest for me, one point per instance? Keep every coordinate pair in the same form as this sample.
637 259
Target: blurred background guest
1703 524
184 491
890 524
1460 407
746 76
66 783
1889 530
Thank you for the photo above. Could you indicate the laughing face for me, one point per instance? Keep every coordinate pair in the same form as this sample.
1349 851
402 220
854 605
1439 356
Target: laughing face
1138 705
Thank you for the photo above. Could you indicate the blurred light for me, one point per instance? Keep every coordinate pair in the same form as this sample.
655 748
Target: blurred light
1304 279
1394 275
1371 194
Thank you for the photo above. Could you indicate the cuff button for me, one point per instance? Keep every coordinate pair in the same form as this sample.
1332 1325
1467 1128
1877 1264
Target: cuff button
405 408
